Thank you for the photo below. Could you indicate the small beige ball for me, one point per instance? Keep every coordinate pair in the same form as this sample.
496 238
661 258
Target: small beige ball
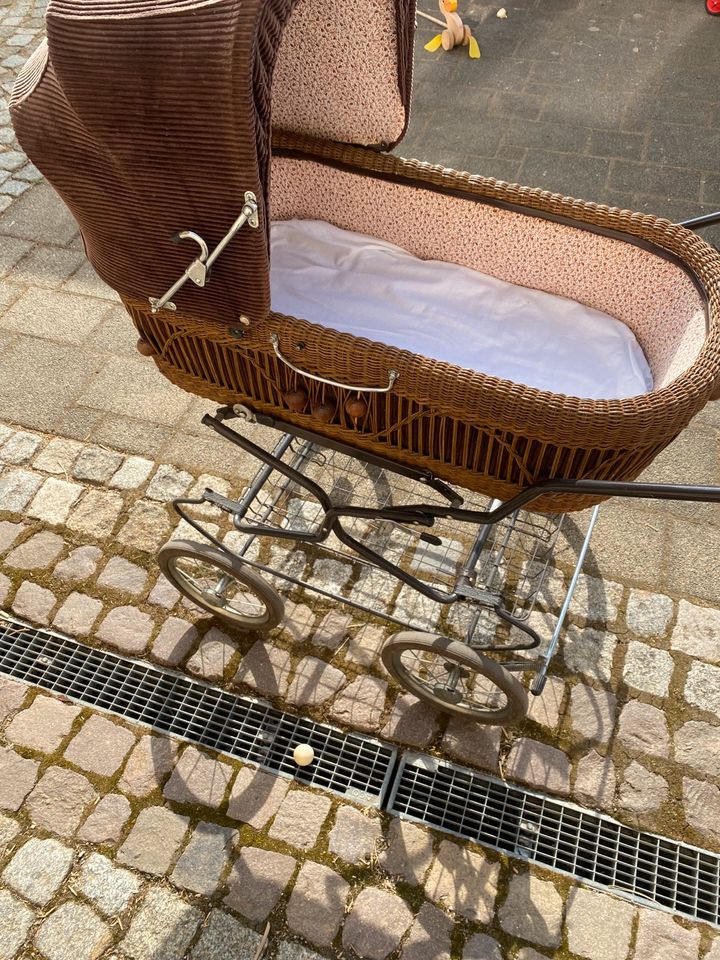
303 754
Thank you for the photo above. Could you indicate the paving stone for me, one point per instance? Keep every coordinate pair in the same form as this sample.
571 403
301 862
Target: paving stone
80 564
315 682
714 951
411 721
364 645
162 928
164 594
15 921
147 528
376 924
9 532
464 881
702 687
701 801
660 937
213 655
12 696
589 652
644 729
174 641
96 464
43 726
598 927
17 488
198 778
37 553
539 765
642 791
545 708
127 629
9 829
360 705
697 632
97 513
105 823
257 881
224 936
409 851
429 937
54 500
168 483
204 858
59 800
78 614
256 797
265 668
355 836
58 456
38 870
468 741
648 669
595 781
5 586
698 745
533 910
333 630
300 819
120 574
132 474
592 712
17 778
298 623
100 746
34 603
296 951
648 614
109 887
151 760
317 904
482 947
20 448
154 840
73 932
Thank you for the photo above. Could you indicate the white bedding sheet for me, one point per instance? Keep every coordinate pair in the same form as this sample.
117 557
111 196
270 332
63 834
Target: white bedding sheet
364 286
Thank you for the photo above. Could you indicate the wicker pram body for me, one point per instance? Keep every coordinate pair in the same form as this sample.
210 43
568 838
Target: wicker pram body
130 191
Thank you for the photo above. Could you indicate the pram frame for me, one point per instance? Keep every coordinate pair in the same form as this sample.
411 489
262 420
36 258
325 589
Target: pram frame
536 654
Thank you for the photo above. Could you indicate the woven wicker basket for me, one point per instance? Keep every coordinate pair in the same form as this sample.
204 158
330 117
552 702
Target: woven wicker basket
130 190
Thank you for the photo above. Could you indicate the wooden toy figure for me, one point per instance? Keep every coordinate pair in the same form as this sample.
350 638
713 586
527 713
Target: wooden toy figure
456 32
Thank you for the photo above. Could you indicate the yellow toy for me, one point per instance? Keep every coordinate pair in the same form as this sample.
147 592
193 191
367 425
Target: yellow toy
456 32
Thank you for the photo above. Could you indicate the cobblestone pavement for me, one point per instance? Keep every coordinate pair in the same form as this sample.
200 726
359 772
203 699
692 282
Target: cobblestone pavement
117 843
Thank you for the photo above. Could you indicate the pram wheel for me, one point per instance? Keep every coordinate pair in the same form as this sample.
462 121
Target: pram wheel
221 584
453 677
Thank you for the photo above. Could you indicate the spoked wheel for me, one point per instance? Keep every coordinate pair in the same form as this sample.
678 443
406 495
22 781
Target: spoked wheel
455 678
221 584
713 7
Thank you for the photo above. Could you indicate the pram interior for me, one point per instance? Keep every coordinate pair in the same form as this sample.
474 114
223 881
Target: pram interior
119 133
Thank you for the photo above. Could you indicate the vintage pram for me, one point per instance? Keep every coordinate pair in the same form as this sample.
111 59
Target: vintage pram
440 481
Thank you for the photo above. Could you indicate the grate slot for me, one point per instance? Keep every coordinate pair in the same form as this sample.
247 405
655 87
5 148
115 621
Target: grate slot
583 844
347 764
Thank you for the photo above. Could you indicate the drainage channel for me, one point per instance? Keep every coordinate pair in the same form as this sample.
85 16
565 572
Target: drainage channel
351 765
585 845
582 844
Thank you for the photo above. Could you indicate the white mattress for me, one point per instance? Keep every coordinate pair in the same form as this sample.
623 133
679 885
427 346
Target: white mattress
370 288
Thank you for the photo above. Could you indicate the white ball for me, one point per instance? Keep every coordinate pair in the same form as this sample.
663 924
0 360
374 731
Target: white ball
303 754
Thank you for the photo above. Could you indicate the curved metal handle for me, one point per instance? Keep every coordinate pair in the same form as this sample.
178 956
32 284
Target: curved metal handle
392 374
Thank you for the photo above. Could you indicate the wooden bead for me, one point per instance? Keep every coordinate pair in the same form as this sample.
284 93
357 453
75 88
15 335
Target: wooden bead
296 400
324 412
356 408
145 348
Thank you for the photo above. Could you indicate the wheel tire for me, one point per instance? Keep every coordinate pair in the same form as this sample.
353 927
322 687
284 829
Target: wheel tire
271 600
462 655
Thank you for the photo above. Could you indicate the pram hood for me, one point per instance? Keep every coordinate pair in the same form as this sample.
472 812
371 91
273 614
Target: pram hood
151 117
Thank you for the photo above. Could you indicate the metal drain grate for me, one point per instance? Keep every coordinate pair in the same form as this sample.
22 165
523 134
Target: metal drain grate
586 845
351 765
